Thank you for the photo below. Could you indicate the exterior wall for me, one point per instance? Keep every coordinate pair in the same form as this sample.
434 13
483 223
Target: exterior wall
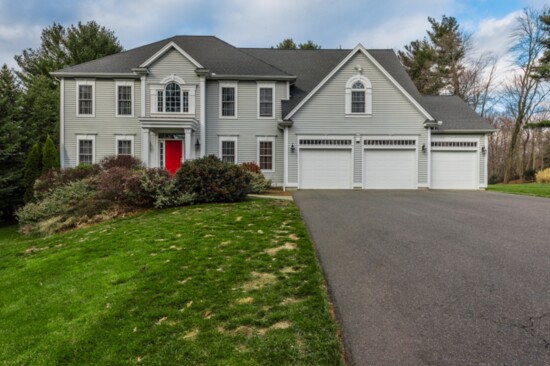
247 127
172 62
392 114
104 125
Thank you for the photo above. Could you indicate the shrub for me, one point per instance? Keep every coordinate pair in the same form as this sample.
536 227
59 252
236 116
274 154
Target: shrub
33 168
530 175
120 161
50 156
122 186
57 178
543 176
212 180
251 167
163 189
65 207
494 179
258 183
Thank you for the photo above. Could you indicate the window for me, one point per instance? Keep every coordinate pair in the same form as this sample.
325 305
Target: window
124 98
266 96
266 156
85 106
125 145
173 98
85 149
228 100
358 96
228 149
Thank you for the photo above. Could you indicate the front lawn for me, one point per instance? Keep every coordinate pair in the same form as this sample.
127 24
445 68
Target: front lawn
231 284
529 189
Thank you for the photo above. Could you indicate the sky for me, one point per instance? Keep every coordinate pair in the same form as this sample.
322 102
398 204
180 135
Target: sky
263 23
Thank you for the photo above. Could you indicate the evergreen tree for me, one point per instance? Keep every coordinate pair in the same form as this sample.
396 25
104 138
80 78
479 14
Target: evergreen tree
419 61
50 156
543 70
286 44
309 45
11 154
33 170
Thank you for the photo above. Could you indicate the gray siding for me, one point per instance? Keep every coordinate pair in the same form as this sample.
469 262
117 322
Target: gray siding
172 62
105 125
392 113
247 127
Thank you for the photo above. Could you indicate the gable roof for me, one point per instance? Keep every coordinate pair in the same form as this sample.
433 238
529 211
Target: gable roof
212 53
306 68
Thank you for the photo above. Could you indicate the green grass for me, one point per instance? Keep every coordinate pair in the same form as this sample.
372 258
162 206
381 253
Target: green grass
529 189
186 286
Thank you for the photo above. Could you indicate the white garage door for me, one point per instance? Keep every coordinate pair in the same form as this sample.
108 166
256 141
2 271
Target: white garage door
454 170
390 169
325 169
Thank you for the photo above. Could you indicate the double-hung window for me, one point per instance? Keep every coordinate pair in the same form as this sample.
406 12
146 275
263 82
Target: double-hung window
358 96
266 97
85 149
228 100
85 96
266 153
125 145
124 98
228 149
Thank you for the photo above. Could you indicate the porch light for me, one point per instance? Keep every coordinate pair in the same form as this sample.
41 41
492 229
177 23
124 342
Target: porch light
483 150
197 144
292 148
423 148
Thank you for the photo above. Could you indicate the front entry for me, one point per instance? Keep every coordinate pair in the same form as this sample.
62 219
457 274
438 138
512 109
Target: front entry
174 150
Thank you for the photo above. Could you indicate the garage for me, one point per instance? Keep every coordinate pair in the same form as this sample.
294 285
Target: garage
390 163
454 170
329 168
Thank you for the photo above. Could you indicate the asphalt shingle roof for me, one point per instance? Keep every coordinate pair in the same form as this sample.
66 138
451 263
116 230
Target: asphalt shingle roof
308 66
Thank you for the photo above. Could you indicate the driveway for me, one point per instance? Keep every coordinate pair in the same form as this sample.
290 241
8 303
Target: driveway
436 277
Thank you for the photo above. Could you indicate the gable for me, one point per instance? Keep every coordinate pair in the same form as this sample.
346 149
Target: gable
388 100
172 62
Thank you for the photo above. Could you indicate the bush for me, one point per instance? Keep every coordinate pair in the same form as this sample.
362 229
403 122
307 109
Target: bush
33 168
529 175
59 177
258 183
543 176
251 167
163 189
120 161
494 179
50 156
65 207
212 180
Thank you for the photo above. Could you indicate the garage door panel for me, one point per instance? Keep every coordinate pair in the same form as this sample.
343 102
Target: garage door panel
454 170
390 169
325 169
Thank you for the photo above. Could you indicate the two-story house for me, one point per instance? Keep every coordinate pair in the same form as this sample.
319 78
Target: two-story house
337 119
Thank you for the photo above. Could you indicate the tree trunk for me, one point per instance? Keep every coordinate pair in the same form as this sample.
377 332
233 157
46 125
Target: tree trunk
512 150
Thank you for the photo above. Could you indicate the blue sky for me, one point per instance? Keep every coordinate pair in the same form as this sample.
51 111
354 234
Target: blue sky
262 23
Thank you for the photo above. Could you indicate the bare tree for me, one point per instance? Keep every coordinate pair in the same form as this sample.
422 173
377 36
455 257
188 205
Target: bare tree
477 83
525 93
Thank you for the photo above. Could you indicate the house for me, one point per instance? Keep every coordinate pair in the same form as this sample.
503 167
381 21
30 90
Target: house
335 119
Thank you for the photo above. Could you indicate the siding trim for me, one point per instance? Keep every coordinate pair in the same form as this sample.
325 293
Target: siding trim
359 48
62 124
165 49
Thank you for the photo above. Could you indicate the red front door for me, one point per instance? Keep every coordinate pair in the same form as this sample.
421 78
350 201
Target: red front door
173 150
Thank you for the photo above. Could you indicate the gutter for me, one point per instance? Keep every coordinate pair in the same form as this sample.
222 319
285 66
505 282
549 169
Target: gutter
94 74
482 130
214 76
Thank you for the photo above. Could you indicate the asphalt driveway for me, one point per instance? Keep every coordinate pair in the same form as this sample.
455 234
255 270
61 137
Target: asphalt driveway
436 277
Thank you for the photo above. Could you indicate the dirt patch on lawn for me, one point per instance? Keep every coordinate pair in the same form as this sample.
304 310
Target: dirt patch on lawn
259 280
286 246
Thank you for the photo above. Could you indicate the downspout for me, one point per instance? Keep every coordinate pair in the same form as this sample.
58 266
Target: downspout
202 117
285 170
429 150
62 124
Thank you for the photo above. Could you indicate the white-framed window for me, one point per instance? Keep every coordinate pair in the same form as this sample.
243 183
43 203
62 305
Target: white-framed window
124 98
124 145
85 98
173 96
266 100
228 100
266 153
228 149
85 149
358 96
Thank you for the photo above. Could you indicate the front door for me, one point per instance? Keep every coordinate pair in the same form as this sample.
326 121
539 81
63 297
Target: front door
173 155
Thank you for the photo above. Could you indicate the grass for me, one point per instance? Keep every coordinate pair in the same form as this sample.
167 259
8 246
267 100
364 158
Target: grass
232 284
529 189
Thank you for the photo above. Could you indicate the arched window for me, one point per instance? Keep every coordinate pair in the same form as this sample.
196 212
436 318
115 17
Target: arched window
172 99
358 96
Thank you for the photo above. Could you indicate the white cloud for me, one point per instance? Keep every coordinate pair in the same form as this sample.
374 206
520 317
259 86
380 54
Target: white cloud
15 38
